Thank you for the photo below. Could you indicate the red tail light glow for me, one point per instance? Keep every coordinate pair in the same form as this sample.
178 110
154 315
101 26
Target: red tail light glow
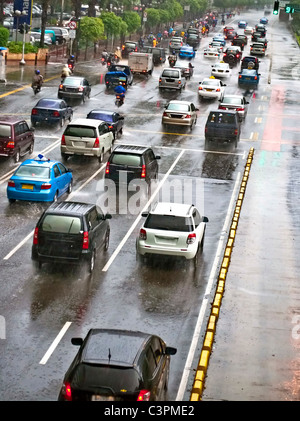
240 109
96 143
144 395
67 391
45 186
85 243
10 144
235 132
191 238
61 86
188 116
143 234
63 140
107 168
11 183
143 174
56 114
80 89
34 111
218 90
36 236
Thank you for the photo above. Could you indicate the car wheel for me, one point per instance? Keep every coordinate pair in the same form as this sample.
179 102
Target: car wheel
121 131
62 122
55 197
71 117
101 156
70 187
17 156
11 200
92 261
106 241
30 150
64 157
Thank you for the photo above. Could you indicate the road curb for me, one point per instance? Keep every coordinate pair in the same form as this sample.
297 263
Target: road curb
207 347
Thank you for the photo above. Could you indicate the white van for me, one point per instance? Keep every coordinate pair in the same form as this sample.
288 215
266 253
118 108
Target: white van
141 63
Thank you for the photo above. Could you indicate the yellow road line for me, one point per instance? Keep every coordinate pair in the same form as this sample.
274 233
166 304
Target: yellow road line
25 87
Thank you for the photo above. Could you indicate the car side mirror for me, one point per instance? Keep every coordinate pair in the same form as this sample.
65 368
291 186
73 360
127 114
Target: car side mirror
196 109
157 156
145 214
77 341
170 350
107 216
205 219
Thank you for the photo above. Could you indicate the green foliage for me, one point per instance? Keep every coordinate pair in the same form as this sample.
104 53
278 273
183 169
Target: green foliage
91 29
4 35
113 25
133 21
17 47
153 17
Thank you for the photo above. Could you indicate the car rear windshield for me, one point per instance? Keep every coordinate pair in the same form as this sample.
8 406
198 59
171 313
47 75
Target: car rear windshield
62 224
48 103
72 81
33 171
80 131
178 107
170 73
101 116
130 44
5 130
230 100
126 159
218 118
169 223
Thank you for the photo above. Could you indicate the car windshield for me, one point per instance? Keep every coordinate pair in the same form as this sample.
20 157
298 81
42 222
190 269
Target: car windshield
48 103
33 171
232 100
169 223
101 116
5 130
61 224
218 118
80 131
178 107
170 73
73 81
126 159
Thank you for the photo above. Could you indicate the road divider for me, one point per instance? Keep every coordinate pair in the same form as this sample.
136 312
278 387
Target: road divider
201 371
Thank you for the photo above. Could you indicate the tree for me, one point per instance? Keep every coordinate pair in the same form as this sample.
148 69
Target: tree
113 25
4 36
91 30
133 21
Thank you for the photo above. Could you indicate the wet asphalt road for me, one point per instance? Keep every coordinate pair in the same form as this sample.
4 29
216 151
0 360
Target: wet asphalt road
255 354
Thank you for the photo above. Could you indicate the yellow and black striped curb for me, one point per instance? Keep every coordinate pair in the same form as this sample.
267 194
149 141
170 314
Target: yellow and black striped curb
198 386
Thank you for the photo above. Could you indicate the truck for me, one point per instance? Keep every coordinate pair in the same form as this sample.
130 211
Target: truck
141 63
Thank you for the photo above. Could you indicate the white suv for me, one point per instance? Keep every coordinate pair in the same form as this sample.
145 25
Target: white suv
172 229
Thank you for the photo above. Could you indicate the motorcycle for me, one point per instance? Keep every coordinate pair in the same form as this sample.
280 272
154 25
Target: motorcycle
172 61
71 66
36 88
119 100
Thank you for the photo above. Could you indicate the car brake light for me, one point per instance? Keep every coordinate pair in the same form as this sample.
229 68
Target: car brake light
36 236
144 395
34 111
179 82
188 116
11 183
80 89
165 114
96 144
235 131
200 88
221 107
240 76
56 114
159 80
143 234
85 243
107 168
45 186
143 174
224 55
240 109
10 144
67 391
61 86
255 77
191 238
123 47
218 90
63 140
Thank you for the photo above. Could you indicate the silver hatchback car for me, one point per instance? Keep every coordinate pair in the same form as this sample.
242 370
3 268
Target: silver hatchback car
172 229
180 113
172 78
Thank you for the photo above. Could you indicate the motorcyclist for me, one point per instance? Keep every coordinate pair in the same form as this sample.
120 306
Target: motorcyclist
37 79
120 90
71 61
65 72
118 53
172 59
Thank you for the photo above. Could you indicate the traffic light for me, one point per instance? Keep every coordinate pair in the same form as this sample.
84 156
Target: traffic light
23 27
276 8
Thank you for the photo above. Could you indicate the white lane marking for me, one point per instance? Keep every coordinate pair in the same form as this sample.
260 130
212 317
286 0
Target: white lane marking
18 246
129 232
55 343
188 365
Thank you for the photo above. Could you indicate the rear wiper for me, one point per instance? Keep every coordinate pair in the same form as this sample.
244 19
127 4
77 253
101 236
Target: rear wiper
71 226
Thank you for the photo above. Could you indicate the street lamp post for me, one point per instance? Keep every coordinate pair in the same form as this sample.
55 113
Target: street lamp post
22 61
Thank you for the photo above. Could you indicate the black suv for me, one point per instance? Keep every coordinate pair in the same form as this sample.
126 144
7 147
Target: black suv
118 365
129 47
114 120
70 232
250 59
159 54
133 163
222 127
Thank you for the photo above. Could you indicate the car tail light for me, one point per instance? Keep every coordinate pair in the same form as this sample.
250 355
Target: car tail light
36 236
10 144
237 56
191 238
143 234
240 109
61 86
221 107
67 391
165 114
45 186
224 55
143 174
255 77
63 140
235 131
188 116
34 111
263 49
96 143
11 183
135 49
80 89
85 243
179 82
56 114
200 88
123 47
218 90
159 80
144 395
107 168
240 76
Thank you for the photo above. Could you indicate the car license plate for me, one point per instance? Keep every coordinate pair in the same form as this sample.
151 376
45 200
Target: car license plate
247 78
209 90
102 398
27 186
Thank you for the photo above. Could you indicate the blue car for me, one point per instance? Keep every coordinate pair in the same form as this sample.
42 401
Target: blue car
51 111
187 52
264 20
248 78
39 179
220 39
242 24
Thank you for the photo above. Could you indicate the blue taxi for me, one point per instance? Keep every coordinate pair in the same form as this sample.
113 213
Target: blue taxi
39 179
248 78
187 52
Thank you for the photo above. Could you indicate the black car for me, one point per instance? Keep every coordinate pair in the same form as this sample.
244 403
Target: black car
259 37
261 28
129 47
238 41
232 55
114 120
193 40
250 59
70 233
74 87
118 365
51 111
131 163
159 54
230 34
222 127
